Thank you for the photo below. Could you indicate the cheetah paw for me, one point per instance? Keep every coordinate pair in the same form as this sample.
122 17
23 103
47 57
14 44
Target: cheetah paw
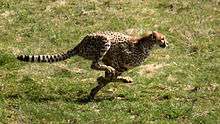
111 71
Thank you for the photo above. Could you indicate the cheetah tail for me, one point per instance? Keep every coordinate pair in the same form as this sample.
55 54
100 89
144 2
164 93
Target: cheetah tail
47 58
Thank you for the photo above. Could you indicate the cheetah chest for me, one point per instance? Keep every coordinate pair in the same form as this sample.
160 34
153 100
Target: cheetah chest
124 56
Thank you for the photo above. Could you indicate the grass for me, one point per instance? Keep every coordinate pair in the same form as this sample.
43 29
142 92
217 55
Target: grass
175 85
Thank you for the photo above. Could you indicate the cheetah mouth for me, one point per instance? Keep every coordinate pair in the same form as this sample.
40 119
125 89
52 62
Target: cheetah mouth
163 45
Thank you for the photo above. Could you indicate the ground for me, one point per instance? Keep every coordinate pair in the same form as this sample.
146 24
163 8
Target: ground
180 84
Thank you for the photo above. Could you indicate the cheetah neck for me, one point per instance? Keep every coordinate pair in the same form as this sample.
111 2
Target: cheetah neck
145 43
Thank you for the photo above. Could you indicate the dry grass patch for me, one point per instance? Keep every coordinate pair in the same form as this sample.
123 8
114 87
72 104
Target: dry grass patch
56 4
8 13
150 70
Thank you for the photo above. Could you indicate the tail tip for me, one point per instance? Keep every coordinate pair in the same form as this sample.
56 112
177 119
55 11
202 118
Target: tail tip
20 57
23 58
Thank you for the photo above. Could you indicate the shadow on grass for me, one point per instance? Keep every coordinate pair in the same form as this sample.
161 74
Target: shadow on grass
28 89
86 99
82 99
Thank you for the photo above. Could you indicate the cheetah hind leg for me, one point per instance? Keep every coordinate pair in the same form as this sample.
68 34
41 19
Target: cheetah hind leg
102 82
118 78
100 66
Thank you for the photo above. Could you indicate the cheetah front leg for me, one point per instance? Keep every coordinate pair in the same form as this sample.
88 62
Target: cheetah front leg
118 78
124 79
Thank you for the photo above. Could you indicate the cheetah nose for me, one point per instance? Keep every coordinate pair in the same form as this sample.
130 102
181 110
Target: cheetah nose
163 45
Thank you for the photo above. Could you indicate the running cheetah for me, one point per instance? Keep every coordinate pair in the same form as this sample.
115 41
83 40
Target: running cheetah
112 52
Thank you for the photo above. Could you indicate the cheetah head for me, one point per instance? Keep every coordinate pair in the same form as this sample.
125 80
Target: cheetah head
159 39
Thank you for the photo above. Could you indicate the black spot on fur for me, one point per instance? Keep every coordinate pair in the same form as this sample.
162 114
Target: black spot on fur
44 60
51 58
64 56
20 57
47 58
26 58
38 59
58 57
55 58
32 58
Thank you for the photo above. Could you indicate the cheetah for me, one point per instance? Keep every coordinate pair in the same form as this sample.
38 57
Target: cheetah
111 52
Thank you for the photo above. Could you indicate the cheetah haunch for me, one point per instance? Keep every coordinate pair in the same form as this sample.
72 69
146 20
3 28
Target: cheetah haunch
112 52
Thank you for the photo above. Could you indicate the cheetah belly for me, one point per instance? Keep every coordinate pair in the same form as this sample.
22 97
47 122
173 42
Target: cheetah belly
131 60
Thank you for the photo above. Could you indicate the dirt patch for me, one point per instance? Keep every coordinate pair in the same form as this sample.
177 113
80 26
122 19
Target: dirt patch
57 3
132 32
136 32
171 78
150 70
74 70
7 14
212 87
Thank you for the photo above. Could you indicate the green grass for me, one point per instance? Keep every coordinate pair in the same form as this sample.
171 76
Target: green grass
180 84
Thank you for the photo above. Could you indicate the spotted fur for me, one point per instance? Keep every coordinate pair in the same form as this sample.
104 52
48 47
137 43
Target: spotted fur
112 52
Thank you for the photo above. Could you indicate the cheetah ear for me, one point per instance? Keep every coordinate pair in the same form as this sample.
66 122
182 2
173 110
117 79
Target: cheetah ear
154 35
